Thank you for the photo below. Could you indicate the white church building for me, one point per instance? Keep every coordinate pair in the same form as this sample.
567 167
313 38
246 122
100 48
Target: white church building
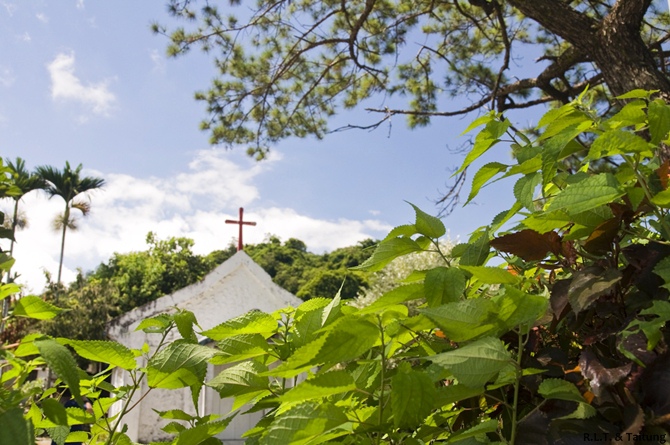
232 289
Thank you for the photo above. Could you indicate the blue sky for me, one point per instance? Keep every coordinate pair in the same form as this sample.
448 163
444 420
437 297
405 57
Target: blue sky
87 82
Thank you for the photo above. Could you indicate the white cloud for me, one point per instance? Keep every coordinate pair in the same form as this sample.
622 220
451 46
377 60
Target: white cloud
68 87
7 77
158 60
10 8
80 4
194 203
42 17
25 37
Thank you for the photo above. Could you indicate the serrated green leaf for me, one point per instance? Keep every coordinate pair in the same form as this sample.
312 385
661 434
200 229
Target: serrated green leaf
303 423
395 296
428 225
491 275
476 363
637 94
560 389
185 320
524 190
618 142
553 147
109 352
444 285
586 195
481 120
487 426
405 230
203 432
413 396
519 308
659 121
240 379
253 322
347 339
484 140
240 347
631 114
482 176
155 325
179 365
36 308
465 320
319 386
175 414
54 411
477 252
386 252
62 363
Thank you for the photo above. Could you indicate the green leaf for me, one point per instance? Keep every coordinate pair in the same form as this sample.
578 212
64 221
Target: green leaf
593 192
618 142
659 121
34 307
652 328
253 322
62 363
476 363
240 347
304 423
319 386
477 252
413 396
179 365
487 426
175 414
15 429
552 149
444 285
201 433
54 411
662 269
428 225
517 308
345 340
482 176
386 252
405 230
524 190
109 352
481 120
185 321
560 389
155 325
637 94
8 289
465 320
395 296
242 378
491 275
484 140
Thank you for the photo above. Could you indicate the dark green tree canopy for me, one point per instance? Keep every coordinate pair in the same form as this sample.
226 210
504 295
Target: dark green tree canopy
286 66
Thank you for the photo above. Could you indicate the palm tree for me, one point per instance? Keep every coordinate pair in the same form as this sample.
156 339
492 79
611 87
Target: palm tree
68 184
26 182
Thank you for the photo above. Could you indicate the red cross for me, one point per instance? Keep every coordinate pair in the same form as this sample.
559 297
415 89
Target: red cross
241 222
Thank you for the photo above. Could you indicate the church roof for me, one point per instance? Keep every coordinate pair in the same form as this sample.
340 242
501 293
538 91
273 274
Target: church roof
235 287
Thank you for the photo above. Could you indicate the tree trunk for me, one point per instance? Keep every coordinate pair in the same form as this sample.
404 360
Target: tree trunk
66 219
614 44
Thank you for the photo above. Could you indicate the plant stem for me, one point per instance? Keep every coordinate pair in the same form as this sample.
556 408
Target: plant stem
517 385
381 389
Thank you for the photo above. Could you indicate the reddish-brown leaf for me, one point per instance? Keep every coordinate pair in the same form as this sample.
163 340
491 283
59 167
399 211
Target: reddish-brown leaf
528 244
600 241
